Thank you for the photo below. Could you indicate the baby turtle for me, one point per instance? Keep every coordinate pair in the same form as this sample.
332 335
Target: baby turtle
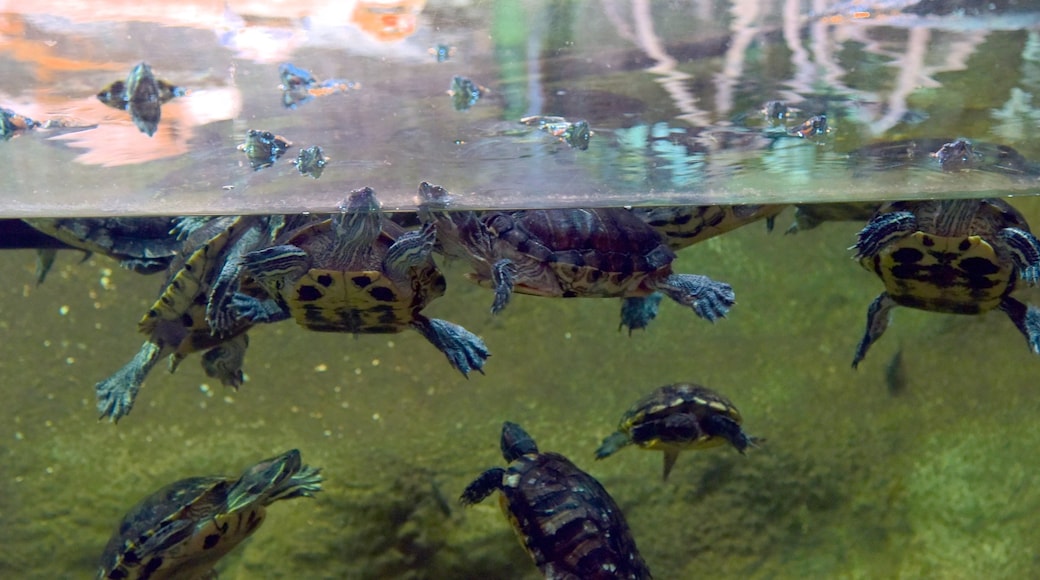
959 256
263 148
678 417
564 518
357 272
603 252
185 528
311 161
194 301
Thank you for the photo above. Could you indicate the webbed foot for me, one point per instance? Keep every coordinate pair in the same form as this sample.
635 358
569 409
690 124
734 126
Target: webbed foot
710 299
1025 251
224 361
878 314
116 394
882 230
638 311
1026 319
503 274
481 487
465 351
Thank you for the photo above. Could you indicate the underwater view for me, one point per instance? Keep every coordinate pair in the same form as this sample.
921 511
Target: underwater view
735 288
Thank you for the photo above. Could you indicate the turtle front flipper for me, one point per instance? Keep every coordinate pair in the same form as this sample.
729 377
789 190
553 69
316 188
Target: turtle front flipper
878 315
481 487
728 429
1026 319
612 444
709 298
465 351
116 394
1025 251
638 311
503 275
882 230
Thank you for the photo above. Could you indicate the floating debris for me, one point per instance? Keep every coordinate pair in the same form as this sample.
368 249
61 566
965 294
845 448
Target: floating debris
465 93
12 124
442 52
299 86
311 161
263 148
576 134
812 127
142 95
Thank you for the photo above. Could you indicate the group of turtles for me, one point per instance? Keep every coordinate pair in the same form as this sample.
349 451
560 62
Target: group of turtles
357 270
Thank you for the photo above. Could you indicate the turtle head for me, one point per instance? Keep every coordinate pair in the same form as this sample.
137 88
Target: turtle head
360 217
280 477
516 442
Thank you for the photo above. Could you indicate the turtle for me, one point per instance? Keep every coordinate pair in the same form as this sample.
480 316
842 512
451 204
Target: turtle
685 225
263 148
677 417
357 272
142 94
564 518
193 302
957 256
183 529
145 245
808 216
599 252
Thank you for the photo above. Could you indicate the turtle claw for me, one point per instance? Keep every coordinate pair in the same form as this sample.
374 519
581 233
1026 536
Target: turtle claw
638 311
883 230
878 315
224 362
710 299
116 394
503 274
465 351
1026 319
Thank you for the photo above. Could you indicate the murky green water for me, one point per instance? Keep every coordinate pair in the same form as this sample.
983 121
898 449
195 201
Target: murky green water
855 479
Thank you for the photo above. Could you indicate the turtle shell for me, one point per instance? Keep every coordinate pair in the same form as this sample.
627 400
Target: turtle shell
604 252
357 293
955 262
143 244
647 422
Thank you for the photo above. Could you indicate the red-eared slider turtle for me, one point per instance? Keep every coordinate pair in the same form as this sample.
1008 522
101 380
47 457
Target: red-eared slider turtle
194 301
357 272
685 225
961 256
142 244
182 530
564 518
604 252
678 417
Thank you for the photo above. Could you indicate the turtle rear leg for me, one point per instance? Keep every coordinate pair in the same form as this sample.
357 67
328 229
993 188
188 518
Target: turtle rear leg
638 311
710 299
1026 319
882 230
1025 251
465 351
224 361
481 487
878 314
116 394
503 275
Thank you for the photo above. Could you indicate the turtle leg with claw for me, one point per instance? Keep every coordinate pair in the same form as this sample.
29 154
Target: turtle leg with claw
482 486
710 299
882 230
116 394
503 275
270 267
465 351
638 311
1026 319
878 314
1025 251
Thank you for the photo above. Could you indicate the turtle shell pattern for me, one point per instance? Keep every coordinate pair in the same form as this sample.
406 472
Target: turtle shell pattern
954 263
357 295
646 421
567 522
604 252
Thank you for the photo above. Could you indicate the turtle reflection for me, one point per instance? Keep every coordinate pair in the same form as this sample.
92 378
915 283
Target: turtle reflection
142 95
299 86
12 124
465 93
263 148
311 161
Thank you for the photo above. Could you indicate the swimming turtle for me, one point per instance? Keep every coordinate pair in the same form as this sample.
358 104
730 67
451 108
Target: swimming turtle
685 225
678 417
185 528
142 244
193 303
566 521
142 94
959 256
357 272
602 252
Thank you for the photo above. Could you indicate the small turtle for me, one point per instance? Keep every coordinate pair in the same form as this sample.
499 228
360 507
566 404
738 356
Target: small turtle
143 95
564 518
678 417
357 272
185 528
465 93
193 303
603 252
142 244
263 148
959 256
311 161
685 225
